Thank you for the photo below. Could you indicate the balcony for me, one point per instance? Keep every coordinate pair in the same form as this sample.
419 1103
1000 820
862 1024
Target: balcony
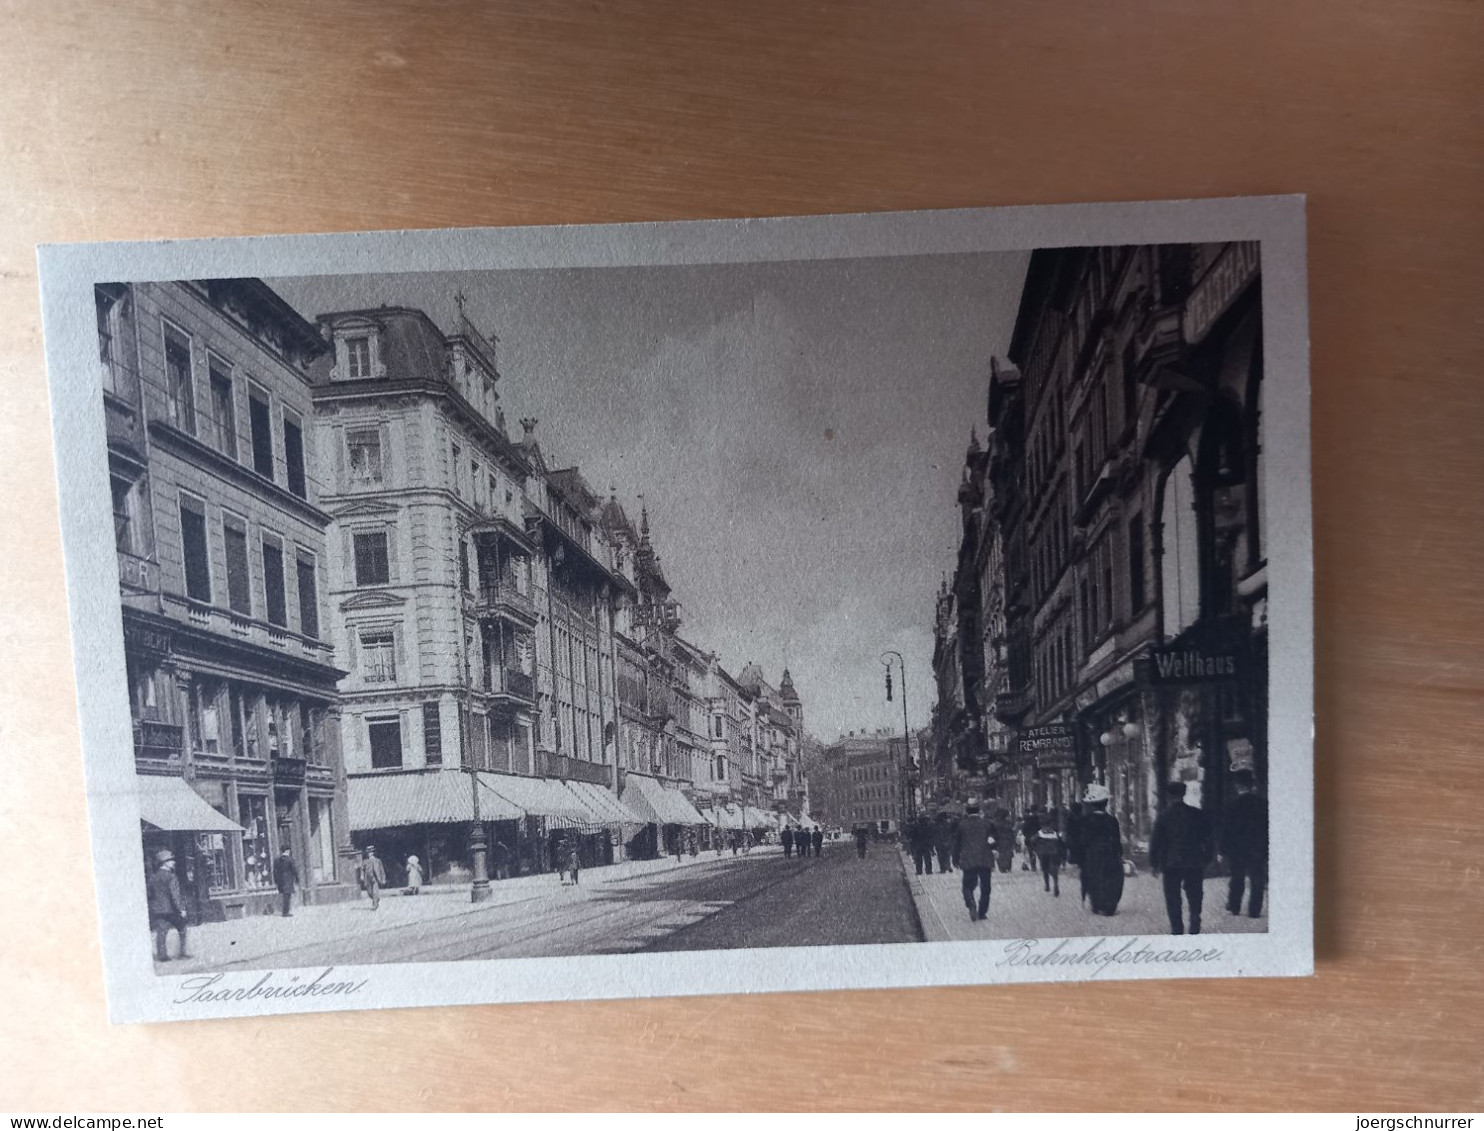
158 743
503 599
1012 706
512 684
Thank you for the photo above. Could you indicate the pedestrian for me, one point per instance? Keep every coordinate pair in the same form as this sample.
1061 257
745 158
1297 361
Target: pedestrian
860 841
569 850
816 838
1244 844
1074 842
974 850
372 875
415 875
920 842
787 837
1180 848
1004 841
500 858
943 839
1030 825
692 844
167 907
1050 849
679 846
285 879
1102 852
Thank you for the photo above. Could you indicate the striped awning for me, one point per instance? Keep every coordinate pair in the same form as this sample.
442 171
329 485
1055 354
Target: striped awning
606 808
169 804
435 797
540 797
658 805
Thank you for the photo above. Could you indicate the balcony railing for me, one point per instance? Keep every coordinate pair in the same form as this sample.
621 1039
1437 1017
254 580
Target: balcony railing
157 742
503 681
503 598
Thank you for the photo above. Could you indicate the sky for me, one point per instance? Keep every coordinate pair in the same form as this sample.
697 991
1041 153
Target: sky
796 430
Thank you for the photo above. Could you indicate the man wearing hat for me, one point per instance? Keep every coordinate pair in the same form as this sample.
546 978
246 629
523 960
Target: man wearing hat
974 850
166 906
1102 852
286 880
1180 848
372 875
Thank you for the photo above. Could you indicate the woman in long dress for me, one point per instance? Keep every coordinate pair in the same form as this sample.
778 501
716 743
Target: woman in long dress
1102 852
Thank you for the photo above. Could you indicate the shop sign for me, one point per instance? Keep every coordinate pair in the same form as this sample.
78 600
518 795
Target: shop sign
288 771
1195 662
1052 746
1236 267
141 638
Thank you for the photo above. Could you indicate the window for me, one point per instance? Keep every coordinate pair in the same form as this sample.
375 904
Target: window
273 591
364 448
458 472
308 732
379 655
358 358
260 422
308 594
123 514
385 737
179 385
372 564
464 563
717 727
1130 387
293 454
252 815
223 411
193 549
239 586
104 305
432 733
1180 578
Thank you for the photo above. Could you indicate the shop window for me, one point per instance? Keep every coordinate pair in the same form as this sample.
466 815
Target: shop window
223 411
321 841
180 391
372 564
273 582
193 549
214 858
257 858
260 424
385 739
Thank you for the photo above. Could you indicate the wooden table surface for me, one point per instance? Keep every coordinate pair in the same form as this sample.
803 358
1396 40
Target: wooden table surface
156 119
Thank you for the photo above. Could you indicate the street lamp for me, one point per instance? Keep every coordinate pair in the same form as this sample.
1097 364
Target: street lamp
478 845
886 658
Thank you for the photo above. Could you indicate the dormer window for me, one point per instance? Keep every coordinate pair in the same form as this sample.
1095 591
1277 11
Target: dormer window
358 358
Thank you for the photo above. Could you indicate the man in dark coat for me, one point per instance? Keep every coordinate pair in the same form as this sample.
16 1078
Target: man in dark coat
1030 825
862 840
1244 844
787 837
817 839
167 907
943 840
920 840
372 875
1180 848
286 879
1004 848
1102 852
974 850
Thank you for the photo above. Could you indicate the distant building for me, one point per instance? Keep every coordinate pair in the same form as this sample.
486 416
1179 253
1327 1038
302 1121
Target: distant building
864 781
220 532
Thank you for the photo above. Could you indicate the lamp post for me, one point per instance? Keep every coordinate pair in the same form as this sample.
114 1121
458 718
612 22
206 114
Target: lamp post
886 657
478 844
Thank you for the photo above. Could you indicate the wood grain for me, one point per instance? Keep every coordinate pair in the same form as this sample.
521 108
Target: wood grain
169 119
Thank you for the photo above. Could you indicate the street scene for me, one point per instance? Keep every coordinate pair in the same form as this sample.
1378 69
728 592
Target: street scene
505 614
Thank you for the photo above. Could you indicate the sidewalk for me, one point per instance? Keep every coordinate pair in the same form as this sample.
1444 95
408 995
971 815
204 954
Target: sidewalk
213 945
1019 908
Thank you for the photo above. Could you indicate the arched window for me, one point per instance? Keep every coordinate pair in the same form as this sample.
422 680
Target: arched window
1181 565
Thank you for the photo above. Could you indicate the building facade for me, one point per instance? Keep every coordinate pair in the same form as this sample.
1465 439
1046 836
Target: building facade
220 530
1122 638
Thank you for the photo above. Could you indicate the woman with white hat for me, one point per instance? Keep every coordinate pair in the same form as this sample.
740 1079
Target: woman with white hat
1102 852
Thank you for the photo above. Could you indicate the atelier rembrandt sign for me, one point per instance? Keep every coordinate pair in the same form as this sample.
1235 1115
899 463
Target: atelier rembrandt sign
1052 746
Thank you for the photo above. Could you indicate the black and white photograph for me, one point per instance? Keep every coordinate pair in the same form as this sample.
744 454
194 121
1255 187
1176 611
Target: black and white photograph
638 610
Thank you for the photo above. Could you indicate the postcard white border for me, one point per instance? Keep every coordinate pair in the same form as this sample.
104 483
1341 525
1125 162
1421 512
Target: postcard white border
136 993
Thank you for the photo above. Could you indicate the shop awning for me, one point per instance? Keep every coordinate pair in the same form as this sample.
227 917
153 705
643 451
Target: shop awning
540 797
605 807
439 797
170 805
658 805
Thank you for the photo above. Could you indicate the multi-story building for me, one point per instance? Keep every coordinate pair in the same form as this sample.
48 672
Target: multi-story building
220 529
866 781
1123 485
475 604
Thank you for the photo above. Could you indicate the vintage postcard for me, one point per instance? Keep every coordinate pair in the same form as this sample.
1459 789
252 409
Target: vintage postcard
843 601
